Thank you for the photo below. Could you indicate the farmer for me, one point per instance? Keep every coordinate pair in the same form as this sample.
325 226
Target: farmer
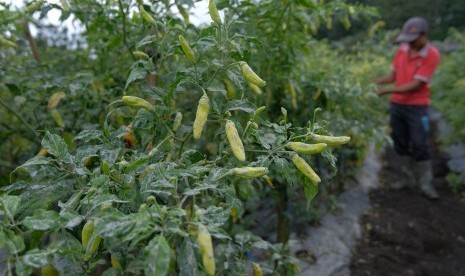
412 68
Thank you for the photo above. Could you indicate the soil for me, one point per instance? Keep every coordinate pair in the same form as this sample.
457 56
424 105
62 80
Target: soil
408 234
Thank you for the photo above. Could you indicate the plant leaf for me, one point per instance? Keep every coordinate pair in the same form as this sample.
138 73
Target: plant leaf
137 72
186 259
42 220
243 105
55 145
35 161
9 206
36 258
310 190
14 244
91 135
157 256
146 41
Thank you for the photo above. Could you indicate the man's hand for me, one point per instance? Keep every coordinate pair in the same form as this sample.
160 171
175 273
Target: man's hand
383 91
386 79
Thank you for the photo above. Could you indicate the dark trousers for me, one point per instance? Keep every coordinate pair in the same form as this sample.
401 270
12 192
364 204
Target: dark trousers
410 128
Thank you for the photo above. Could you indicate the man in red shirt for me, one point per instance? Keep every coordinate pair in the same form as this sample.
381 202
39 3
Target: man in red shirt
412 68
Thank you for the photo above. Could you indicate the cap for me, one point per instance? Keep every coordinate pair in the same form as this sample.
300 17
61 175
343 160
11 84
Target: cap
412 29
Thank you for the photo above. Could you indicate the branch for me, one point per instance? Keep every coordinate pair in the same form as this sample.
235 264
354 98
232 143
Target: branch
123 16
36 135
32 43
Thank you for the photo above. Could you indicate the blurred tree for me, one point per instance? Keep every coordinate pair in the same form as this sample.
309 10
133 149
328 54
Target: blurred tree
441 14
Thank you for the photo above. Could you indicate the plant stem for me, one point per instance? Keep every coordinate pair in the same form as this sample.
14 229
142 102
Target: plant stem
261 151
196 74
123 15
36 135
182 144
220 70
283 218
314 118
281 17
228 173
32 43
9 268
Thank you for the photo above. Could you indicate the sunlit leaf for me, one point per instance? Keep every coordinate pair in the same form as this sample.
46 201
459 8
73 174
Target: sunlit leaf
310 190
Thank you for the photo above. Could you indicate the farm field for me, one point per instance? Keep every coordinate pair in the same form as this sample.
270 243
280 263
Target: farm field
406 233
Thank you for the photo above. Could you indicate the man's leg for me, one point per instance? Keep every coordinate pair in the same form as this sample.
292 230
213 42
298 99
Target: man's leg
401 137
419 130
400 133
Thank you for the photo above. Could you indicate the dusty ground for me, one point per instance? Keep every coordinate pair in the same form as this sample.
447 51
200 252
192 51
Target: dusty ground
408 234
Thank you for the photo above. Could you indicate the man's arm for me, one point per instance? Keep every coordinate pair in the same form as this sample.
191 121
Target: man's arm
387 79
413 85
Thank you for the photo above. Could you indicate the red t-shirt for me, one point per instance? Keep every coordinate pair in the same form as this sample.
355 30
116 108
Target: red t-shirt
420 67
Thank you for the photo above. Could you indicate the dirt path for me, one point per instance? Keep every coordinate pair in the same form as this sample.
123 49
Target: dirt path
407 234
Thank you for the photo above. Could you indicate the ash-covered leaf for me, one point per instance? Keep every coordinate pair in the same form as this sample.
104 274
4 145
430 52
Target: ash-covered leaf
56 146
242 105
186 259
157 256
43 220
